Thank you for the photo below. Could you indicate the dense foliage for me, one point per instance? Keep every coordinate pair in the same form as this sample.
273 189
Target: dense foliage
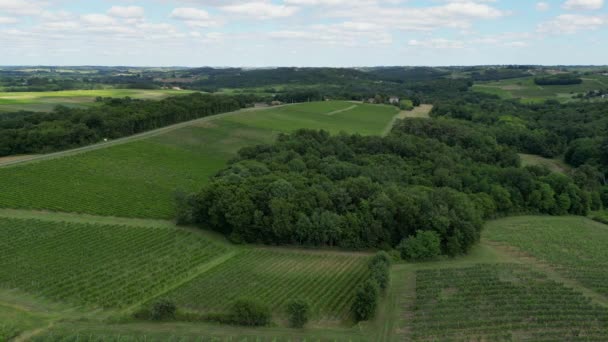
576 130
425 245
28 132
310 188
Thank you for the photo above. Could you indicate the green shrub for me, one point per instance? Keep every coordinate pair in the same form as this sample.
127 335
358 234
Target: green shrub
366 299
298 311
379 267
163 310
426 245
250 312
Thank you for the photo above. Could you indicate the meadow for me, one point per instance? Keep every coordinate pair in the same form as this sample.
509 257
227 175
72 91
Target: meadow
46 101
327 280
527 91
140 178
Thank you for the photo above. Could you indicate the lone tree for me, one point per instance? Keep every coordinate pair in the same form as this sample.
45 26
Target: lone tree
163 310
250 312
298 310
366 299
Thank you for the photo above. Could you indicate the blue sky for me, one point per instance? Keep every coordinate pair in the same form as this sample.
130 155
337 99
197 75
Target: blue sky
259 33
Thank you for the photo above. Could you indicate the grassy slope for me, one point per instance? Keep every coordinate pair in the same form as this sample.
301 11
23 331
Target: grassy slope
46 101
138 179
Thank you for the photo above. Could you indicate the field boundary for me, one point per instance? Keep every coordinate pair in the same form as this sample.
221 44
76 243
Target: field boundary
342 110
420 112
120 141
198 271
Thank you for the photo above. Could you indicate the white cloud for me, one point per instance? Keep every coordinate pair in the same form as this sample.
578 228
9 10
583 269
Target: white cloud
542 6
438 43
126 11
96 19
193 17
8 20
260 10
571 23
583 4
21 7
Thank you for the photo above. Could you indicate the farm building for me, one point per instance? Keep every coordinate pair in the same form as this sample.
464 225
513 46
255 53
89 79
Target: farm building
393 100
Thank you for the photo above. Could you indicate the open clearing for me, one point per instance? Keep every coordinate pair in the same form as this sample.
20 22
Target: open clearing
139 178
47 100
528 91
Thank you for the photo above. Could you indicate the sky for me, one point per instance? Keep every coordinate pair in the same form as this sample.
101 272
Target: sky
335 33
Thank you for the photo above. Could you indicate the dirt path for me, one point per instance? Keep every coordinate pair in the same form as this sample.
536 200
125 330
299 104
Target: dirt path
342 110
140 136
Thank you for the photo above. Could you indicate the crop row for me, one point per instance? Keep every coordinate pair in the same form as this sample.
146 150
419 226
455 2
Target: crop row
327 281
574 246
96 265
503 301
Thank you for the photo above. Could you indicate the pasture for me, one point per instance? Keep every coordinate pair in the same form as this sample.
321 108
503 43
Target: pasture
553 164
139 178
527 91
327 280
46 101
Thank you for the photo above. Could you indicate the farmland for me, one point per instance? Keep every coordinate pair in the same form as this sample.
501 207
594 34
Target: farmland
97 265
327 280
46 101
529 92
575 247
501 302
139 178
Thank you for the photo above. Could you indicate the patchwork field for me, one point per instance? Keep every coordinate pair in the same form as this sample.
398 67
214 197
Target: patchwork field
46 101
139 178
326 280
526 90
97 265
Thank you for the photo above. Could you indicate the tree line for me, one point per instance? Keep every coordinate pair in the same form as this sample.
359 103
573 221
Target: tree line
63 128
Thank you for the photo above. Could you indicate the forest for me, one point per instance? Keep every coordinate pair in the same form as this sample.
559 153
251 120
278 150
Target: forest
313 189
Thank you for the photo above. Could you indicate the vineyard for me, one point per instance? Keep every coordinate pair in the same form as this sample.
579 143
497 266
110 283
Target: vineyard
501 302
326 280
574 246
97 265
140 178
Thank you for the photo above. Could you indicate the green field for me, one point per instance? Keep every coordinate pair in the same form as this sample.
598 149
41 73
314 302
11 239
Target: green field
138 179
575 247
46 101
529 92
326 280
97 265
502 302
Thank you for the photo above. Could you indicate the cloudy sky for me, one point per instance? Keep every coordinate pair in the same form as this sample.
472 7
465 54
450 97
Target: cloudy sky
302 32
